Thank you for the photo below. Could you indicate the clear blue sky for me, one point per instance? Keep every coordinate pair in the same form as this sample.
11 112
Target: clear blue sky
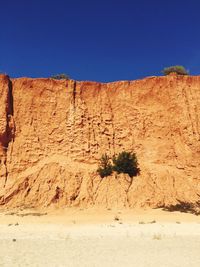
98 40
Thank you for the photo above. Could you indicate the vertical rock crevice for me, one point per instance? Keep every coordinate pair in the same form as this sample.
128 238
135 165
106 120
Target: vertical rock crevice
74 94
10 127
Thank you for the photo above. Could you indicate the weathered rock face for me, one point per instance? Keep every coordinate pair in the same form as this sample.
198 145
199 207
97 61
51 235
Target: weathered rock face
6 127
52 134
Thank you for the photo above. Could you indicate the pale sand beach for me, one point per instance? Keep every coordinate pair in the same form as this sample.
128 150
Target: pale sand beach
91 237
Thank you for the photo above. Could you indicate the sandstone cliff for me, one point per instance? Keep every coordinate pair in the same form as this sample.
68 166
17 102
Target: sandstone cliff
52 134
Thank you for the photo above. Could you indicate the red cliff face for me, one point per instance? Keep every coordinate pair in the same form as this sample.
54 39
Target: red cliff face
52 134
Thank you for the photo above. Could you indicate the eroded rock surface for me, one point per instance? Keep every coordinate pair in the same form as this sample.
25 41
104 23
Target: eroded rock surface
52 134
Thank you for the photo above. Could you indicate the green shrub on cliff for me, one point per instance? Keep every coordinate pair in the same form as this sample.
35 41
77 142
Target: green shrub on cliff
180 70
126 162
61 76
105 167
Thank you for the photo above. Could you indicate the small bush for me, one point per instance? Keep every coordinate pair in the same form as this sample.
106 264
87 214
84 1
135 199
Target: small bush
180 70
61 76
126 162
105 167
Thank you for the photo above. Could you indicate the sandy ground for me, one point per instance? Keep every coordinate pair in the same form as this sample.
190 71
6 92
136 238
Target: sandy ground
90 237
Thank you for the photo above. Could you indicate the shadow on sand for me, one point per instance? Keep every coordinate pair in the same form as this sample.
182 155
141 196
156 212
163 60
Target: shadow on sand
193 208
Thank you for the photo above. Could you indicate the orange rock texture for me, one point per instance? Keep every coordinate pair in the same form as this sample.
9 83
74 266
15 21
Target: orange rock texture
52 134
